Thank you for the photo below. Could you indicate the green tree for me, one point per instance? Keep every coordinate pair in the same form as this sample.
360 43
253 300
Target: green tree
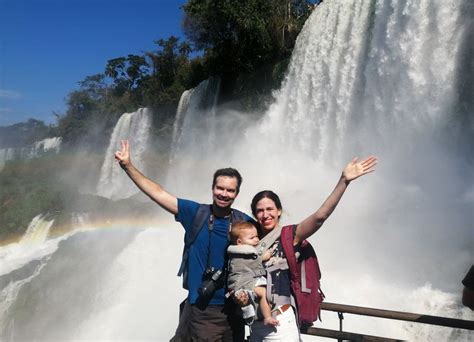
172 73
95 86
126 72
238 36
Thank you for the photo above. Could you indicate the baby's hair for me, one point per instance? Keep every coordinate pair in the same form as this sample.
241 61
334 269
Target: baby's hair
238 228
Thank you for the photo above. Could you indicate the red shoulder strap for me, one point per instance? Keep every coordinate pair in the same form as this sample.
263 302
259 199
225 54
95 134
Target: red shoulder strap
287 238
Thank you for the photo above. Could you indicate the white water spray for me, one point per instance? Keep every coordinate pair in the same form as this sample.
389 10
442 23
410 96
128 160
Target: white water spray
38 149
196 114
134 127
178 122
48 144
32 246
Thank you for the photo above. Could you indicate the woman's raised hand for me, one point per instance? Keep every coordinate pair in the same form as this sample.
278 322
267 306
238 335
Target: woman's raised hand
357 168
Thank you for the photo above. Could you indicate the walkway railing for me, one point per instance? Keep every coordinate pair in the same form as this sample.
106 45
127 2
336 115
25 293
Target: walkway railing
396 315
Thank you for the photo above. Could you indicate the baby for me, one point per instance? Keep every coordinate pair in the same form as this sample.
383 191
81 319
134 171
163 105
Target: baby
246 272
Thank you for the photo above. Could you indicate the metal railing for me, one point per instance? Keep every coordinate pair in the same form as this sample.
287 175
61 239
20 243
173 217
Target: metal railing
388 314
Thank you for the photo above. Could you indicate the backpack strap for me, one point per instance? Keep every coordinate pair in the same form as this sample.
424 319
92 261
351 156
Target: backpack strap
202 214
237 216
287 238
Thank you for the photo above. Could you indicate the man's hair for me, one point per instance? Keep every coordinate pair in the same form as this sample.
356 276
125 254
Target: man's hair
237 229
228 172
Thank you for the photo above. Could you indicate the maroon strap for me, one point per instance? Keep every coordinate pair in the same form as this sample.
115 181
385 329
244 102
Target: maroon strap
287 238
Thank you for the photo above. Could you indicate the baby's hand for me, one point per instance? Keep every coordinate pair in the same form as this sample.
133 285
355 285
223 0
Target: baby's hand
270 321
267 255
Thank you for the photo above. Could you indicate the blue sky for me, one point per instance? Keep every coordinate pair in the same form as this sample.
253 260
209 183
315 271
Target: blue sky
48 46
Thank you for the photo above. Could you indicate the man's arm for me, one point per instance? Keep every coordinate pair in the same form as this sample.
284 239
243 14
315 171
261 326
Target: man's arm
353 170
150 188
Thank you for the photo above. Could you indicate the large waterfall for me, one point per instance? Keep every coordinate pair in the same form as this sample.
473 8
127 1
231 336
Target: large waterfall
196 114
136 128
32 247
367 76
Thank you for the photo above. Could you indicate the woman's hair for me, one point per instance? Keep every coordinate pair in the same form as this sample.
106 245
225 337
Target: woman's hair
265 194
237 229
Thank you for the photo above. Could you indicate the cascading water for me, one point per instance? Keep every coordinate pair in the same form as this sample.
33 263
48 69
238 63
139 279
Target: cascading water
178 122
15 256
6 154
379 77
136 128
196 114
37 150
48 144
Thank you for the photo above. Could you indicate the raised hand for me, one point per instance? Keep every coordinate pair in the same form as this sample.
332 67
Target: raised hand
123 156
356 168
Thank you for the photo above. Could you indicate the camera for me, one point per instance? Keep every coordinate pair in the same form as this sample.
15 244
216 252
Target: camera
212 280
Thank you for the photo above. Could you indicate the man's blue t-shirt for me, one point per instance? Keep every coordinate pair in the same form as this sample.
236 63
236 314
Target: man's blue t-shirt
199 250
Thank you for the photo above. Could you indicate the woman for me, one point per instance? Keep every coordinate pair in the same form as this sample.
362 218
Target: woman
267 209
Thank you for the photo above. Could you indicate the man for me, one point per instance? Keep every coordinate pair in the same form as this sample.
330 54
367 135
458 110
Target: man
203 317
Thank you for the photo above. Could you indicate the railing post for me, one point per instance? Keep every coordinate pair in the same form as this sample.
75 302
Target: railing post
341 317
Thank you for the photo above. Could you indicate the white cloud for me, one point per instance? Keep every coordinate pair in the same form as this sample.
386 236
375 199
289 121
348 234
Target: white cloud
9 94
5 110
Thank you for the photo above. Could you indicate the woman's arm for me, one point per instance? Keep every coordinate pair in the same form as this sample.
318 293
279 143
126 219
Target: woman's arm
352 171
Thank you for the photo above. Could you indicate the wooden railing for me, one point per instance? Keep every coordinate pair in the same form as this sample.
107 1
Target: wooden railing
388 314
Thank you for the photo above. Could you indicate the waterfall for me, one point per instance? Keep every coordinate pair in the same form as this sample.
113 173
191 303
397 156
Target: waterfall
36 150
196 113
37 231
178 122
48 144
16 255
134 127
6 154
21 265
13 257
94 285
369 68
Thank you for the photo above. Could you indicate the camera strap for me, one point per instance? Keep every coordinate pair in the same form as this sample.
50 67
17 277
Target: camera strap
210 227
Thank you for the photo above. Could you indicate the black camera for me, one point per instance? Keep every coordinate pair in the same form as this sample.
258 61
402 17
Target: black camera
212 280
